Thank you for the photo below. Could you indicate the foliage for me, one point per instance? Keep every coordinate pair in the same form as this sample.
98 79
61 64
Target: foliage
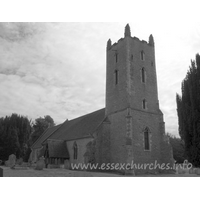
178 148
188 110
14 135
40 125
18 133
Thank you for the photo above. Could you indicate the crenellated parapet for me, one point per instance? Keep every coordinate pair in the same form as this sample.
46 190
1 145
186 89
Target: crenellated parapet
151 40
109 44
127 34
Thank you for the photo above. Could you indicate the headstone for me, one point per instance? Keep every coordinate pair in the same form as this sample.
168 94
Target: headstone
180 170
12 161
66 164
198 171
40 164
192 171
1 172
20 161
58 161
6 163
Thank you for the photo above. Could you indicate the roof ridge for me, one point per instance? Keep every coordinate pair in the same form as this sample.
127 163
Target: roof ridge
39 137
59 125
82 126
86 114
55 130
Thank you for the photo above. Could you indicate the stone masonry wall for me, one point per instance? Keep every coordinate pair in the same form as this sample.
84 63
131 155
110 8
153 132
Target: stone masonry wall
116 95
82 148
141 120
142 90
102 143
118 137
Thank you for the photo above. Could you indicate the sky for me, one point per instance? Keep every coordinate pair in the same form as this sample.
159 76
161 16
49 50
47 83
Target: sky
58 68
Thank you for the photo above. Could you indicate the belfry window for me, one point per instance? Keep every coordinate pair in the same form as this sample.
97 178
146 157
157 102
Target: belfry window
116 57
143 75
75 147
146 139
132 57
144 104
142 55
116 77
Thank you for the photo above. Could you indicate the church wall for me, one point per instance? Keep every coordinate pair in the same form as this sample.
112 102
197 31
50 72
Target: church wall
102 143
141 120
118 137
116 93
81 144
142 90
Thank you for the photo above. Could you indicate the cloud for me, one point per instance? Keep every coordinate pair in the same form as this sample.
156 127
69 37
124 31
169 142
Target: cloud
44 71
60 68
18 31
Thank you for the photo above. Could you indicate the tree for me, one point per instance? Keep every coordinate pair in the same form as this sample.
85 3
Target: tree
40 125
188 110
178 148
14 135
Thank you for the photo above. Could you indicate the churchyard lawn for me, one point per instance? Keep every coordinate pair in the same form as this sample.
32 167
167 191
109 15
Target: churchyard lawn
30 172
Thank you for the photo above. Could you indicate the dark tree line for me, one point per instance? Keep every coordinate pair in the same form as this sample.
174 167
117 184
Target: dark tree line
18 133
188 109
178 148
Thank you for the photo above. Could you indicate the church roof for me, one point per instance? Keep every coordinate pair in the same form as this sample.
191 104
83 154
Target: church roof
80 127
57 149
44 136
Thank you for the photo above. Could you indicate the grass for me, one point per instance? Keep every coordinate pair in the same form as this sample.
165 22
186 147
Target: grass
58 172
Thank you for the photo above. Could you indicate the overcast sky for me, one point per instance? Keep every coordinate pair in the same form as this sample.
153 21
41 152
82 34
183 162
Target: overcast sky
58 69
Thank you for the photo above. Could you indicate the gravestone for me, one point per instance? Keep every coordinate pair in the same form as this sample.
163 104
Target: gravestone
6 163
12 161
40 164
1 172
67 164
58 161
20 161
198 171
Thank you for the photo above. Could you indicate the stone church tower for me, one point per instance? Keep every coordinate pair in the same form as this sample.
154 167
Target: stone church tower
134 128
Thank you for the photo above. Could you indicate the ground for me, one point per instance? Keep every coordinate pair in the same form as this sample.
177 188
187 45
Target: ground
7 172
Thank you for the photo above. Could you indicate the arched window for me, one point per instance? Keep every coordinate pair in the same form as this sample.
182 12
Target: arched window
143 75
146 139
116 57
132 57
75 147
142 55
144 104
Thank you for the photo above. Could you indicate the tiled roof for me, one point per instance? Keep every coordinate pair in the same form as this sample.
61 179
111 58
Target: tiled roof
57 149
80 127
44 136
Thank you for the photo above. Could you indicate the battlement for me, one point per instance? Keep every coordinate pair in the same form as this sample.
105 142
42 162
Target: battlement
128 34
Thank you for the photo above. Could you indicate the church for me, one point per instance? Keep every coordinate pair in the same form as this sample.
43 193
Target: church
130 129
